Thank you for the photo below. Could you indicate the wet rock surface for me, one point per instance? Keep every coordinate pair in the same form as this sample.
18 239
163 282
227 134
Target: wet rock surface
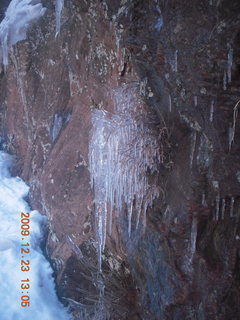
183 60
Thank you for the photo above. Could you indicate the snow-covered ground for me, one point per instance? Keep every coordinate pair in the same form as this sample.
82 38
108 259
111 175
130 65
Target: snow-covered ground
41 291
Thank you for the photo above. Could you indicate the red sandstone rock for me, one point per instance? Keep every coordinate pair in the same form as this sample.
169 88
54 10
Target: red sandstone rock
159 274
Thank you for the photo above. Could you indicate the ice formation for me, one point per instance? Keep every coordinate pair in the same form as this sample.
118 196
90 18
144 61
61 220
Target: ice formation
211 111
227 75
43 299
193 236
176 61
230 137
231 206
193 146
233 128
195 101
159 23
57 126
123 148
223 208
204 202
217 207
229 64
59 7
19 16
170 103
225 81
173 61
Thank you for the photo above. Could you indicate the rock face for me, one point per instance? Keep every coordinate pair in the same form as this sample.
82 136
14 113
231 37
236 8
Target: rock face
3 7
179 62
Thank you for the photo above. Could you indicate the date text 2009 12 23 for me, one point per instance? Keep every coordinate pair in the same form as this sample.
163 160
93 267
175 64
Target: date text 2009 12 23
25 264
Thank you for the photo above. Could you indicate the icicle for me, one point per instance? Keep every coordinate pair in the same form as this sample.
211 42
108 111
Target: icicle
110 214
223 208
217 207
230 137
229 64
231 206
104 225
139 209
99 233
193 145
204 203
195 101
145 206
167 210
159 23
130 211
193 236
225 81
5 49
59 7
232 130
75 248
176 61
170 103
211 111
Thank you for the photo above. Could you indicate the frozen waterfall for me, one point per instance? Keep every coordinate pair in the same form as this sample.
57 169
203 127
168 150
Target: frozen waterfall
18 17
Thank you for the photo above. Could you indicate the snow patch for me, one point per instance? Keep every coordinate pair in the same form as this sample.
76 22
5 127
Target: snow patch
43 299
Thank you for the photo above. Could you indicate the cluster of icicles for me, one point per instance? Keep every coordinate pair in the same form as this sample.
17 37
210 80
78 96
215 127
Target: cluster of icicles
123 147
19 15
